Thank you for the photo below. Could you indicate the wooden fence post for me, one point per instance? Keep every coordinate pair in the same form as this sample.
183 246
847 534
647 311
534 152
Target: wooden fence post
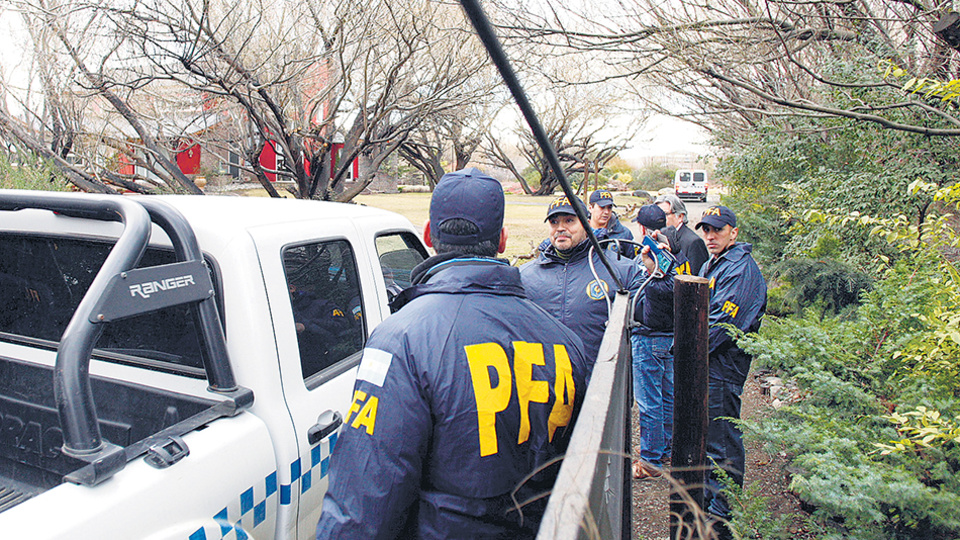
691 297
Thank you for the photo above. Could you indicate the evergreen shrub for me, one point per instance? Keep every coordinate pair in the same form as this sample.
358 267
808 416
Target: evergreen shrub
859 379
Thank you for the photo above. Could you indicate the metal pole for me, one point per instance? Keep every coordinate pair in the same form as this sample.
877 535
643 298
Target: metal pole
499 58
691 307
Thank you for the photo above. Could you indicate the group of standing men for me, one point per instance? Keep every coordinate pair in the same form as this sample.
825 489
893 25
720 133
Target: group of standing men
480 375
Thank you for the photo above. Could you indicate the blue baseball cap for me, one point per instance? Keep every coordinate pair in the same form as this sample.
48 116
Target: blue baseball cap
470 195
562 205
601 197
651 216
718 216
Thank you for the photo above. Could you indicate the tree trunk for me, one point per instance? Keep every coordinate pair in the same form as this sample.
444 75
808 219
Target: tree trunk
128 114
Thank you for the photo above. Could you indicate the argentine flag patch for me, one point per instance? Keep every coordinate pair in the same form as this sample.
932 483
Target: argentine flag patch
374 366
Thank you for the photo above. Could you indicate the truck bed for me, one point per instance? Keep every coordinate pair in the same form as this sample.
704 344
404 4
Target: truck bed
31 460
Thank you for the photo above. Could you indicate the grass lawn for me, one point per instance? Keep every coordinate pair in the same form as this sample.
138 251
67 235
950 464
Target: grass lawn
524 217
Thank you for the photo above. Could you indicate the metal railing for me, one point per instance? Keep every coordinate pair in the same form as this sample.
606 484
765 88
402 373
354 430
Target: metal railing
108 299
591 498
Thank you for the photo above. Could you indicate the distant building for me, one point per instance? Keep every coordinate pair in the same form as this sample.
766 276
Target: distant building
680 160
202 132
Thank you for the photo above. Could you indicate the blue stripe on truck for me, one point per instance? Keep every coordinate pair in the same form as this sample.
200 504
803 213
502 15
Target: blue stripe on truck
249 509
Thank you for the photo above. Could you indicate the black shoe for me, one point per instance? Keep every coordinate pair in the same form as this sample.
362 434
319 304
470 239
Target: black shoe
719 527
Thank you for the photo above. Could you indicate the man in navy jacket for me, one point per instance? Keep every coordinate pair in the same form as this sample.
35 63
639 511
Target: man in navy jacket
652 344
560 279
738 297
461 394
603 217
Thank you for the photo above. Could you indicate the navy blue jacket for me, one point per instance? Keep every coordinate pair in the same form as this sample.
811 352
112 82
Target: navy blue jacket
654 308
738 296
565 287
463 392
319 317
615 229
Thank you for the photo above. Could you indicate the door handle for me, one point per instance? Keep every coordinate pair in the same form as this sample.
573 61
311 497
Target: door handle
327 423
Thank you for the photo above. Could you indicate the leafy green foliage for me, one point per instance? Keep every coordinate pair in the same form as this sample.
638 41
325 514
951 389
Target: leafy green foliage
532 176
854 374
850 224
750 513
796 183
947 91
29 173
921 428
652 177
873 434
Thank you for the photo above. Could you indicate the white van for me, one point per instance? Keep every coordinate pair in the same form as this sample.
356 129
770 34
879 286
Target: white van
691 184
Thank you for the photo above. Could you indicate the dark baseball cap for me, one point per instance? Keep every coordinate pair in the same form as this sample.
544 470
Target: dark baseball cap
562 205
651 216
601 197
718 216
471 195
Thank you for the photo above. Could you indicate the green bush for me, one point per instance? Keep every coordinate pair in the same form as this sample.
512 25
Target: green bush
780 174
846 220
829 284
652 177
851 374
29 173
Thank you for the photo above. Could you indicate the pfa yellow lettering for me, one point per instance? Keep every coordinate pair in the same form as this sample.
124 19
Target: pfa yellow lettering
358 398
564 389
367 416
490 399
527 355
731 308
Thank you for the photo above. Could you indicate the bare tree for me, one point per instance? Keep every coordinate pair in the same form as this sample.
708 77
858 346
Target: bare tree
453 136
363 75
728 64
56 123
322 81
587 124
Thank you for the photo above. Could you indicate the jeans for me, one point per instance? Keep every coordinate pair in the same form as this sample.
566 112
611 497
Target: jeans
653 390
724 443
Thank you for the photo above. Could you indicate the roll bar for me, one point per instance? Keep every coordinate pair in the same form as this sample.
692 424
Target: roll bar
110 298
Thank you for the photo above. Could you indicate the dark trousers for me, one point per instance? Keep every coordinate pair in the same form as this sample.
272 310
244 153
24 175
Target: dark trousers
724 443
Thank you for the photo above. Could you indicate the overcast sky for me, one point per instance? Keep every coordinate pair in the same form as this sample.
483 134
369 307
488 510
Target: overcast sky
664 135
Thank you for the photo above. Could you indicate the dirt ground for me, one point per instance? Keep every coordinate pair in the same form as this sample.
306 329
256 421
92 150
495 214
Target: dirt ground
765 476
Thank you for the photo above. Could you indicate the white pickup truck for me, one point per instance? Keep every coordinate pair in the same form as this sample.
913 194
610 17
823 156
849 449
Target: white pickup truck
177 367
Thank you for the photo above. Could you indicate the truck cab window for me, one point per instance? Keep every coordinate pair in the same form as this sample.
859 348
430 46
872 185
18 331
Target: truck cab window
399 254
325 298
